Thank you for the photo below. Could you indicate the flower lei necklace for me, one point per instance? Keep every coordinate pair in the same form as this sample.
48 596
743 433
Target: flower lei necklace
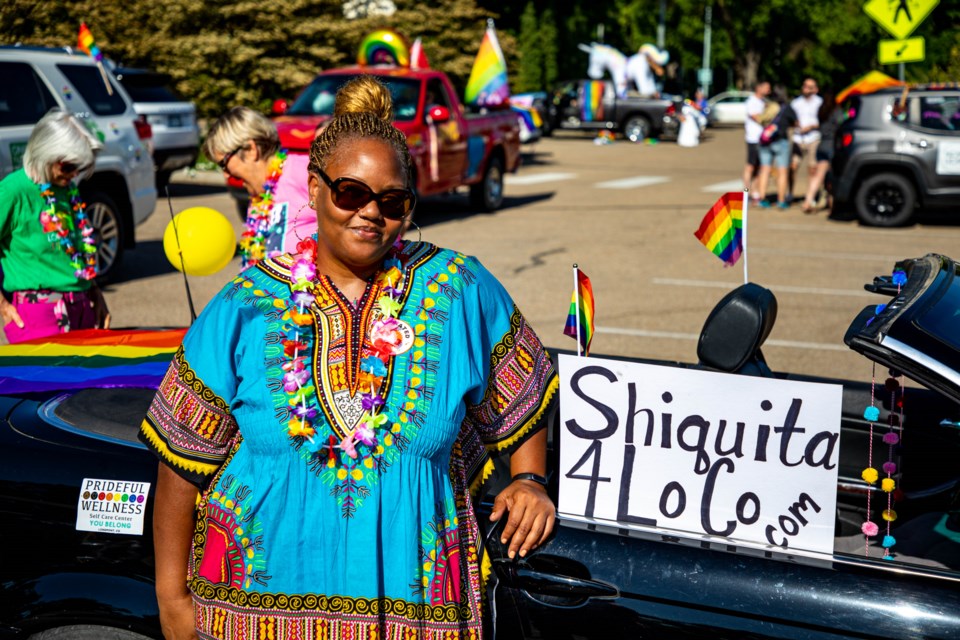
84 257
389 336
254 237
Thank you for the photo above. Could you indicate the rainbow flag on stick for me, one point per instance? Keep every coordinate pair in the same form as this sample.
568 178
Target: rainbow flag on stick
487 86
580 319
724 229
86 359
87 44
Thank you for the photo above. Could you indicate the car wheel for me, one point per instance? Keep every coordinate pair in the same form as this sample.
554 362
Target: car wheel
886 200
636 128
487 195
105 216
87 632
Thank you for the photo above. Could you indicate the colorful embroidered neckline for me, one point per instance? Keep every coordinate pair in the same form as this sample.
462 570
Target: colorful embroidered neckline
66 226
254 238
389 336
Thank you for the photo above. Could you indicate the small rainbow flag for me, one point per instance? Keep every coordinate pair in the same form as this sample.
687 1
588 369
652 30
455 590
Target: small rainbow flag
93 358
87 44
581 306
487 86
721 230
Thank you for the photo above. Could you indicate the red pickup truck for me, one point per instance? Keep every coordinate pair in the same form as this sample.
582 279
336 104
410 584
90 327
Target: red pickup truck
450 147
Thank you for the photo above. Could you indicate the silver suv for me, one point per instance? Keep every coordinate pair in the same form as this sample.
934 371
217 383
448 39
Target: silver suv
176 137
121 193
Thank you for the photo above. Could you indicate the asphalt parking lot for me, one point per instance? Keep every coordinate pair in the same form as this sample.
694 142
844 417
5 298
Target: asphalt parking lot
626 214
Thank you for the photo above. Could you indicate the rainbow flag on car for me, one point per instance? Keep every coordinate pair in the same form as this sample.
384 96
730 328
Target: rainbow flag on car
487 86
591 103
93 358
87 44
580 318
721 230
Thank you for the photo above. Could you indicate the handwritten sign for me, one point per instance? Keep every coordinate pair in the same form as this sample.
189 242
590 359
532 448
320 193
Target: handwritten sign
739 457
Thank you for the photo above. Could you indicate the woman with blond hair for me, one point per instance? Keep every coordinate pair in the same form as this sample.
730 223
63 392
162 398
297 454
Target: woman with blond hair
334 408
48 246
246 146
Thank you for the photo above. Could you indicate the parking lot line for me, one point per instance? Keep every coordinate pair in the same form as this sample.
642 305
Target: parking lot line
776 288
632 183
538 178
673 335
723 187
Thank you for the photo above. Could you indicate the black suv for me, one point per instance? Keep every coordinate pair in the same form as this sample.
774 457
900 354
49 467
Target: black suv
897 151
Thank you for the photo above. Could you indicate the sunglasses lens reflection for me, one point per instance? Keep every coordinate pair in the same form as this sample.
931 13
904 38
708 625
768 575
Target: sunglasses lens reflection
352 195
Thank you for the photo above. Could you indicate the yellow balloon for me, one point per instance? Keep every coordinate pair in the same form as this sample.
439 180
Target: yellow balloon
206 241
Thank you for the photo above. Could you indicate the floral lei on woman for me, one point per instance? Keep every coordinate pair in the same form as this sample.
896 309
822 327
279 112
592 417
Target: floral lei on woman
254 237
65 226
386 337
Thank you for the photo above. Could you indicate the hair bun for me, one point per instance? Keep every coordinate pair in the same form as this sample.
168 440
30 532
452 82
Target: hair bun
365 94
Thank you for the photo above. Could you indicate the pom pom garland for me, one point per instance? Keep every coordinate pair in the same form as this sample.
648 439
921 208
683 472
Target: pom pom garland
891 438
870 529
889 468
889 541
870 475
888 484
889 515
871 414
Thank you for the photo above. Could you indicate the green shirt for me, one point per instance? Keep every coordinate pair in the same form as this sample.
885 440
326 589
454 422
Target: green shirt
28 258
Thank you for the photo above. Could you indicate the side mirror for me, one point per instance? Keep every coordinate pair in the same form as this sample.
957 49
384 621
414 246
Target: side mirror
280 107
438 114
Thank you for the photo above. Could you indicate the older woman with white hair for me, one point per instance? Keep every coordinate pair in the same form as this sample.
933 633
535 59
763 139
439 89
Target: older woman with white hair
48 246
246 146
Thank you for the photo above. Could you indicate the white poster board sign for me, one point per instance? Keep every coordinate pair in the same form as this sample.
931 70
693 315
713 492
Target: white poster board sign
703 453
948 158
112 506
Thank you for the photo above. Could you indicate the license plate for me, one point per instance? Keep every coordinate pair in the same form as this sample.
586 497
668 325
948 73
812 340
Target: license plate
176 121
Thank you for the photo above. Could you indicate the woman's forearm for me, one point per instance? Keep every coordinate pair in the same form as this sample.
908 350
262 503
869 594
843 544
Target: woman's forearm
173 525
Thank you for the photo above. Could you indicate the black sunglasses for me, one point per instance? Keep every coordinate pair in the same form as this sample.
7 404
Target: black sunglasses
353 195
226 158
70 167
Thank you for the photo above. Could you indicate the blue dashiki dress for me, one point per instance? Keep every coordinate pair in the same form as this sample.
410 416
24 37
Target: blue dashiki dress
297 539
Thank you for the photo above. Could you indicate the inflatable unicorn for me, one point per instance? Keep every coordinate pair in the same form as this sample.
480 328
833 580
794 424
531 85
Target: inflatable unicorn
637 71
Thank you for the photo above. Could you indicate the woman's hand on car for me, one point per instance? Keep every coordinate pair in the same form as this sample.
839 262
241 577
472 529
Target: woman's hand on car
531 516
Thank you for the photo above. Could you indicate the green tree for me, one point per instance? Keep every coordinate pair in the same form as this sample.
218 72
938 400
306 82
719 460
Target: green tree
529 76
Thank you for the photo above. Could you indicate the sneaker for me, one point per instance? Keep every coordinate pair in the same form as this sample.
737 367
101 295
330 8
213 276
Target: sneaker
782 205
764 204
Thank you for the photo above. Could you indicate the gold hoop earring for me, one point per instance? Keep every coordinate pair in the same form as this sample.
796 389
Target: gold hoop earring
296 220
419 233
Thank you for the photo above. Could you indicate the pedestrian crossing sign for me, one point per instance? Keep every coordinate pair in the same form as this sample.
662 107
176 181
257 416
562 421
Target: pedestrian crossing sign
899 17
895 51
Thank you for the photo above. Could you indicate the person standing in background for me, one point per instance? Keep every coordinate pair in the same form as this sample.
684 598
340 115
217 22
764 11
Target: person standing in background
752 130
806 136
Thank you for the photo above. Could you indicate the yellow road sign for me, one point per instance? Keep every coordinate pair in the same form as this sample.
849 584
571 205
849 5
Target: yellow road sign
894 51
899 17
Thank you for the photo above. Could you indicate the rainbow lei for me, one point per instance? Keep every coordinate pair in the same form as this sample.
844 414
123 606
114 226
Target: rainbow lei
84 258
253 239
301 395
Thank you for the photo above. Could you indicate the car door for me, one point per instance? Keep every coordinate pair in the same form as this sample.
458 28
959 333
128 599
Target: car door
935 121
24 98
450 139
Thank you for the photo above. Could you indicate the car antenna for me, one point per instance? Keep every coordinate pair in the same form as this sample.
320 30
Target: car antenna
183 268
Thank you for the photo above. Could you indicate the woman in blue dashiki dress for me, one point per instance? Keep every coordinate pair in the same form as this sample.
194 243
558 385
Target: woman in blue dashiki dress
335 408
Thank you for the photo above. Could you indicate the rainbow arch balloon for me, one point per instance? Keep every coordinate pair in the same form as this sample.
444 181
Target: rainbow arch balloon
384 47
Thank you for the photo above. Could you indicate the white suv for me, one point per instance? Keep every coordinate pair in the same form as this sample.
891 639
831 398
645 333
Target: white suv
121 193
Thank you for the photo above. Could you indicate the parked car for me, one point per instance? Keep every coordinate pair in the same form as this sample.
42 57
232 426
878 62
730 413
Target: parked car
121 193
470 149
587 581
897 153
728 107
571 107
176 136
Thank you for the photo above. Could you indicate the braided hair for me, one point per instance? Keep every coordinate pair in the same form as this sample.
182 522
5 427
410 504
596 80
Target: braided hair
363 109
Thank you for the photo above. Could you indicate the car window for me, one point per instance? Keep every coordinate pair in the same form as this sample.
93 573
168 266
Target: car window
91 84
436 94
148 87
23 96
318 98
940 112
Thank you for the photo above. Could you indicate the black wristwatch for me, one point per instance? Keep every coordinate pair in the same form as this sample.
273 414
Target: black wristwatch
531 476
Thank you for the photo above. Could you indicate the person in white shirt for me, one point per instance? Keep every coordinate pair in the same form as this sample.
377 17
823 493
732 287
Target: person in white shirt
806 136
752 129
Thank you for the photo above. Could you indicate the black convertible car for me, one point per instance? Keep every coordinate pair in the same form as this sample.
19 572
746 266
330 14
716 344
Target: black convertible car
589 580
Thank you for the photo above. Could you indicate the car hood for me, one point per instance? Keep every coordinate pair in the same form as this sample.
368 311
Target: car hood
297 132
